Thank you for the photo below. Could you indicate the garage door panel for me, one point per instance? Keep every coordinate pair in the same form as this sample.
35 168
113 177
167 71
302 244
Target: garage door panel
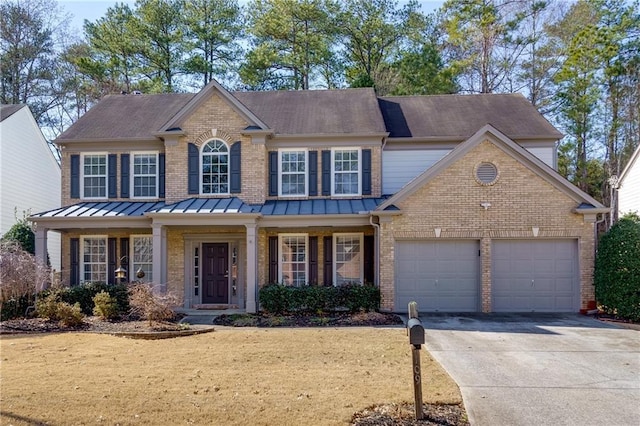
535 275
444 276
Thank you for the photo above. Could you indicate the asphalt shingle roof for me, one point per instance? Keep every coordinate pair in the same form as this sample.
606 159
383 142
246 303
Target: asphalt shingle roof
7 111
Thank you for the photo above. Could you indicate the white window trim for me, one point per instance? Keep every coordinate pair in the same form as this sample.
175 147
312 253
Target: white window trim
280 252
132 264
106 257
132 176
201 184
306 172
360 235
333 171
106 175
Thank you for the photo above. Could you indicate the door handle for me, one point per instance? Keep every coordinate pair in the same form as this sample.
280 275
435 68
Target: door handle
226 273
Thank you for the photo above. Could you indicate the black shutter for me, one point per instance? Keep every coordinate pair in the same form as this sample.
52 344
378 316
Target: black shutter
313 173
113 175
124 175
313 261
326 172
124 256
369 259
74 271
235 178
273 259
75 176
366 172
161 175
194 169
112 256
328 260
273 173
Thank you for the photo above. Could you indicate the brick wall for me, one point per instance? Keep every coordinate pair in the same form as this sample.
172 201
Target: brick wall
520 200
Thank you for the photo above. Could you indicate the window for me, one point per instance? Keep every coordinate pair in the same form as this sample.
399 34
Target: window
144 175
142 257
94 176
94 259
348 258
293 259
345 172
293 173
215 168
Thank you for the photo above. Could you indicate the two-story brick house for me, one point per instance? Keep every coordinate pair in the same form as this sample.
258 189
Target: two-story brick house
452 201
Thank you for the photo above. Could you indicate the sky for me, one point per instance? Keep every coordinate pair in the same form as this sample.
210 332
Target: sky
95 9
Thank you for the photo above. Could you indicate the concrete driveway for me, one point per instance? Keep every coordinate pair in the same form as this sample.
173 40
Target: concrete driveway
539 370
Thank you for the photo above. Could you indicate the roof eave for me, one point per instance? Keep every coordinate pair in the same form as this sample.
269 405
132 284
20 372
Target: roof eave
99 222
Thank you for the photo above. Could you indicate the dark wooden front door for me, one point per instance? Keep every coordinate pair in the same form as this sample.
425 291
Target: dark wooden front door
215 273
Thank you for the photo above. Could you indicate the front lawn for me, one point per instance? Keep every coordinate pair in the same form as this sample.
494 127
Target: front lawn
228 377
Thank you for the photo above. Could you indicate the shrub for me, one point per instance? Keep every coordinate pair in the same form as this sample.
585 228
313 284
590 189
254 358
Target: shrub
279 298
55 310
147 304
22 234
617 269
106 306
21 276
84 295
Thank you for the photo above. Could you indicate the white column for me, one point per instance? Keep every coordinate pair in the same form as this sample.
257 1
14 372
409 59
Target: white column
159 257
41 244
252 268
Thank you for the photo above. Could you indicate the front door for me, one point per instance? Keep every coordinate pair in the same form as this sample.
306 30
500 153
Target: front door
215 272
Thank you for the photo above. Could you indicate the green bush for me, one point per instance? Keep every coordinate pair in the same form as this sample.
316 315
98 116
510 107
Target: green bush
15 307
617 269
22 233
279 298
106 306
55 310
84 294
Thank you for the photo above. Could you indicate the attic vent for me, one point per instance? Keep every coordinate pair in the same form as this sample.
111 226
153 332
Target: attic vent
486 173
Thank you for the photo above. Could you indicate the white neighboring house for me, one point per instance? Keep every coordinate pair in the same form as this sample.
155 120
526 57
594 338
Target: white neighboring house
629 186
30 178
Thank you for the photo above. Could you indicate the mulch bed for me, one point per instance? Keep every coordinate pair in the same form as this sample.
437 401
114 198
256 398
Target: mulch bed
90 324
404 415
336 319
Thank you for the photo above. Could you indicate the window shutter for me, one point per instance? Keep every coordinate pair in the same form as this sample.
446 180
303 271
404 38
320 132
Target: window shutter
194 169
124 256
326 172
112 256
112 165
75 176
273 173
366 172
313 261
74 272
161 175
369 259
124 175
273 259
313 173
328 260
235 175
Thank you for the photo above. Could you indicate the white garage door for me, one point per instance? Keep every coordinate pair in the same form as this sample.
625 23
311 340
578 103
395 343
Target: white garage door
535 276
442 276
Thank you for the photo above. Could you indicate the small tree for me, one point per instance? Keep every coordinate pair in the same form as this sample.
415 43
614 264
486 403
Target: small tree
617 269
22 233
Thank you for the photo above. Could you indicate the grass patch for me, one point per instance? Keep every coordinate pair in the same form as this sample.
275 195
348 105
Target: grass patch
231 377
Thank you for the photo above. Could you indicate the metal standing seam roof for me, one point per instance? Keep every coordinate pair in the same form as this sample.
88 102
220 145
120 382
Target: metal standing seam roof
215 206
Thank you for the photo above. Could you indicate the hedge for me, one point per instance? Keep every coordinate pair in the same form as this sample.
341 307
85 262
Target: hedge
280 298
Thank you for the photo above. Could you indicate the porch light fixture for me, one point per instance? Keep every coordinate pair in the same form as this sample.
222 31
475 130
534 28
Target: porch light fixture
120 273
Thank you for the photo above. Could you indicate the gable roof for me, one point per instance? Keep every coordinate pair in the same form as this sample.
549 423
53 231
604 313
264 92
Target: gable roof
457 117
634 158
7 111
345 111
499 139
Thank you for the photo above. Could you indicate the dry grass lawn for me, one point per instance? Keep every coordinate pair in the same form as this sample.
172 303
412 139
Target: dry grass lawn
228 377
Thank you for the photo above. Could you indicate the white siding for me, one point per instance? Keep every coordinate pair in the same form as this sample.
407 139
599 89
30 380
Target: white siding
629 192
545 154
400 167
29 175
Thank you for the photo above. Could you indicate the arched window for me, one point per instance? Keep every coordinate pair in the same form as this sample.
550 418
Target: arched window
215 167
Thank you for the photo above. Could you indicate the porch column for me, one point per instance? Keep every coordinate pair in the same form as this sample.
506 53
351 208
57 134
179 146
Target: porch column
41 244
252 267
159 257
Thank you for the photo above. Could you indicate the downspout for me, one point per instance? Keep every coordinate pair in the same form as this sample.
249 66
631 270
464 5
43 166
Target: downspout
595 234
376 250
